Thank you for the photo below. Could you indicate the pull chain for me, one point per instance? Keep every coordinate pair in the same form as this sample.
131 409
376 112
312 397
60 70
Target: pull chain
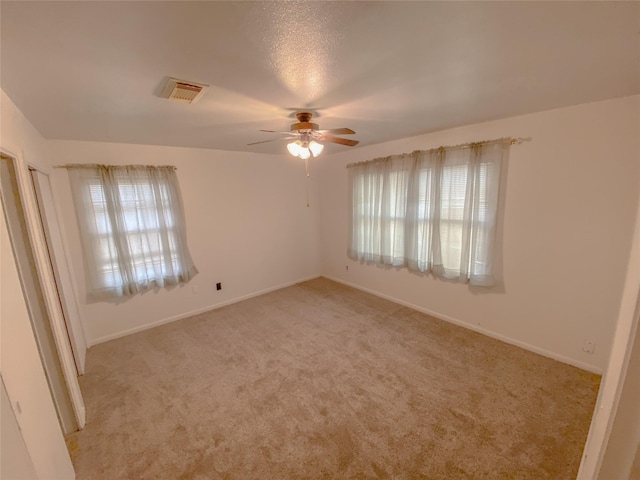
306 166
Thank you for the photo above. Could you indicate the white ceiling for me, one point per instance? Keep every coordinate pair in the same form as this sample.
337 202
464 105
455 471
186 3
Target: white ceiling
93 70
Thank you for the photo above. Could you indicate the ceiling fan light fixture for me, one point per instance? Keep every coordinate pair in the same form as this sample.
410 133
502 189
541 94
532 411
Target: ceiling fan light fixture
304 153
304 150
294 147
316 148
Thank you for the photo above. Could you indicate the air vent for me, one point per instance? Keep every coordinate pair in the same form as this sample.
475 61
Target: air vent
183 91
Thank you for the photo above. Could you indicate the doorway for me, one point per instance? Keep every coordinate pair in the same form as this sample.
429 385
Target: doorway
62 382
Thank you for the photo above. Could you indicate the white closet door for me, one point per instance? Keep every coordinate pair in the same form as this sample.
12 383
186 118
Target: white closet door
61 271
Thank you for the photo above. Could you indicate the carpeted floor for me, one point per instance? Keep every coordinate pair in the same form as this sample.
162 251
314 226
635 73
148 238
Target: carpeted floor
321 381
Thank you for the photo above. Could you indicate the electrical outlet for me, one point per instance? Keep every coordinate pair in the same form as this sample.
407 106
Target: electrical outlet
589 346
218 286
195 288
346 267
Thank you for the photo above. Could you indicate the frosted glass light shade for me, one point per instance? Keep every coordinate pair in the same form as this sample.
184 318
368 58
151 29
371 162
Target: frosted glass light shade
304 153
316 148
304 150
294 148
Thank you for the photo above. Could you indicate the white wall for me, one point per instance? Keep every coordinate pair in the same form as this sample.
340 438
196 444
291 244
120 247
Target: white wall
20 364
248 226
570 203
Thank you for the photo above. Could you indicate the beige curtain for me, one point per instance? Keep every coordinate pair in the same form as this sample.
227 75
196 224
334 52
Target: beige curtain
131 221
431 211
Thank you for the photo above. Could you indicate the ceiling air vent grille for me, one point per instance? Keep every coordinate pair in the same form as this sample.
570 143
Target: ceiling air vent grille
183 91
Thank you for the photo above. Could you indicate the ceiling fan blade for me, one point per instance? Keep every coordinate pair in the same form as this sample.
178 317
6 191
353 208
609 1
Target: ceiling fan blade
271 140
338 131
341 141
275 131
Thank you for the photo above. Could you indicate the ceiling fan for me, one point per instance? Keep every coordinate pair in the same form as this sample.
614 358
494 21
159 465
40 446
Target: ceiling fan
307 136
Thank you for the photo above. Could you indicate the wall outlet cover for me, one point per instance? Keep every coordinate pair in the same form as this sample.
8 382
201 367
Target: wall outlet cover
588 346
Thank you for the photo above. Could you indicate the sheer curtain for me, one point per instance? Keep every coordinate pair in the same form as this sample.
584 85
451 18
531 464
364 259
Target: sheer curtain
132 226
431 211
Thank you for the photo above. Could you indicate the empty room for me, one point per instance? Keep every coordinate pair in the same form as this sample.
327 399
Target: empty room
320 240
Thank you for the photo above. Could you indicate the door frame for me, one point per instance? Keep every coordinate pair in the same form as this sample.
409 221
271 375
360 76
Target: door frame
47 282
614 376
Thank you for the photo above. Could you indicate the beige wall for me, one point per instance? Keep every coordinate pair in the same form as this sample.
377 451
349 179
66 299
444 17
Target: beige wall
570 203
248 226
20 364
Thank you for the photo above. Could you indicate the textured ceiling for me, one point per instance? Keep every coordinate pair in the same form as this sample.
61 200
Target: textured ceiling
93 70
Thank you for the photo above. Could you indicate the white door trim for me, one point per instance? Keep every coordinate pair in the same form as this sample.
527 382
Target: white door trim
43 268
613 379
61 270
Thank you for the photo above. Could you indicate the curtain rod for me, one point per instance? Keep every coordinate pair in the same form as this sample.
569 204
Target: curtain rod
503 140
84 165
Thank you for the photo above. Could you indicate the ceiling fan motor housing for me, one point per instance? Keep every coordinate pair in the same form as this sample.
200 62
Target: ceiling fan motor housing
303 122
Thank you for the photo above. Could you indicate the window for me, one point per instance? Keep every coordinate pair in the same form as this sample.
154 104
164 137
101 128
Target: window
132 227
432 211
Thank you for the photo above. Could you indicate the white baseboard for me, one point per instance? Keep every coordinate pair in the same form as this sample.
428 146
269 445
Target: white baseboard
198 311
532 348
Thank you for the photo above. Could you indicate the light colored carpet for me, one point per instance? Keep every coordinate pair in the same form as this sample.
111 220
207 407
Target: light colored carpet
321 381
